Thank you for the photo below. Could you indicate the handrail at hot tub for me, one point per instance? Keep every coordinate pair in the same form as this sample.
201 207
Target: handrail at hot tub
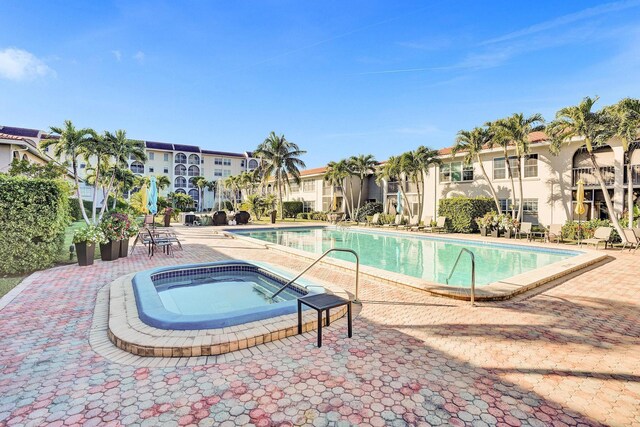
318 260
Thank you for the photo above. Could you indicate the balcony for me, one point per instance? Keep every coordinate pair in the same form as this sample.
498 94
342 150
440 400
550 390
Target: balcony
589 178
337 191
394 187
635 175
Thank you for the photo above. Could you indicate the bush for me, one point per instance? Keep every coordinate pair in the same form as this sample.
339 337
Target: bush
33 216
387 218
368 210
291 209
74 208
302 215
461 212
571 230
318 216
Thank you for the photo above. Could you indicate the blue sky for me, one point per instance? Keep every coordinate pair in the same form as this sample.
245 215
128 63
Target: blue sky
338 78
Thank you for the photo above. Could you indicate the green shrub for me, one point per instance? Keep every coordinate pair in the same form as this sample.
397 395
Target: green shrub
74 208
572 230
291 209
461 212
387 218
368 210
302 215
318 216
33 216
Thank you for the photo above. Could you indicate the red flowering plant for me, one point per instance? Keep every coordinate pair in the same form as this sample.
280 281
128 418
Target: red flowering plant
116 226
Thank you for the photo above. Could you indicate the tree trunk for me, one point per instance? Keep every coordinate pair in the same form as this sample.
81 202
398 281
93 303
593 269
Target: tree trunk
513 186
75 177
629 192
280 197
607 198
493 190
106 197
521 204
346 199
95 191
417 182
359 197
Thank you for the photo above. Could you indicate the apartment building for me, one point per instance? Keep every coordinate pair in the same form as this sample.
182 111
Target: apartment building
549 182
178 162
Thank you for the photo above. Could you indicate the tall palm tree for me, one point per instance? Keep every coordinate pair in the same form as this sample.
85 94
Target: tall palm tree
336 174
362 166
424 157
280 159
125 181
162 181
626 114
596 128
200 182
502 139
232 183
517 129
67 145
472 142
392 169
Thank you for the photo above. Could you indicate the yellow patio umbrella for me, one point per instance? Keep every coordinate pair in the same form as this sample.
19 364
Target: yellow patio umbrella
580 208
144 200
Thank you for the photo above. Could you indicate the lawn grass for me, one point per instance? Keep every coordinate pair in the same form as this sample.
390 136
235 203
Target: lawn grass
8 283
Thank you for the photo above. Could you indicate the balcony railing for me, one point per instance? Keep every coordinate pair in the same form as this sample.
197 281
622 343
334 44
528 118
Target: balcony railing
394 186
635 175
337 191
589 178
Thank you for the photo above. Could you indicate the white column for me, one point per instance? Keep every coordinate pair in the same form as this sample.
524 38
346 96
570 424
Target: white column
618 189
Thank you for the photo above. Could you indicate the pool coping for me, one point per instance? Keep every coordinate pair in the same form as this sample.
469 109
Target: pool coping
127 332
496 291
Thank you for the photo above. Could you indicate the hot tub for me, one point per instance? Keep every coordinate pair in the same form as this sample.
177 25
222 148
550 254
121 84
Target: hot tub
215 295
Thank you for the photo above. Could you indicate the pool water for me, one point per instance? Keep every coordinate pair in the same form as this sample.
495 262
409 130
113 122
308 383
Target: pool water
221 294
426 257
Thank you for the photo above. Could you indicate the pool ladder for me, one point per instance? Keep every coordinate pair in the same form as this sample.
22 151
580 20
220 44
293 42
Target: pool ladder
473 272
317 261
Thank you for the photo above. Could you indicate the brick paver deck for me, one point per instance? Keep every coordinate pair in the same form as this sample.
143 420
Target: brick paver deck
566 356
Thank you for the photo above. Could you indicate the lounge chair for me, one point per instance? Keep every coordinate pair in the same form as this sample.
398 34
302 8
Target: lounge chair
554 232
632 239
524 230
440 226
395 224
374 221
601 235
414 221
427 220
156 242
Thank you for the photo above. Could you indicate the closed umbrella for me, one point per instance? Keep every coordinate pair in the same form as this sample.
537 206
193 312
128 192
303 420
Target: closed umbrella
399 207
580 208
144 201
152 198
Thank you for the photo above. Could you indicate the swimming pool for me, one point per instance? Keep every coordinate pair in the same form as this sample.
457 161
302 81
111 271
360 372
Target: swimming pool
422 256
215 295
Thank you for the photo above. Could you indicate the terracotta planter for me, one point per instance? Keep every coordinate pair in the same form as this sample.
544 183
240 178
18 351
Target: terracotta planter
124 248
110 251
85 252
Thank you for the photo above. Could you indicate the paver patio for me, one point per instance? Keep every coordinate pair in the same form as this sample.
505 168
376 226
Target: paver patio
567 355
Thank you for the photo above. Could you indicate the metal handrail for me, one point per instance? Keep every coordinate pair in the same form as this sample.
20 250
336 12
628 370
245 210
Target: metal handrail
318 260
473 272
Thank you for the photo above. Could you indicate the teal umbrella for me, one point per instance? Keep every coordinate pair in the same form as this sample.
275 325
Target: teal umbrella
399 206
152 197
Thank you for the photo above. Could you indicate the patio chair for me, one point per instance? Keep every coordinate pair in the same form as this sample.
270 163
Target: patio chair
414 221
601 235
525 229
632 239
440 226
156 242
427 220
554 232
374 221
396 223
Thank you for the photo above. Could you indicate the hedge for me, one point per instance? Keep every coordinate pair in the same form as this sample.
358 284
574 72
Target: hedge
74 208
291 209
34 214
461 212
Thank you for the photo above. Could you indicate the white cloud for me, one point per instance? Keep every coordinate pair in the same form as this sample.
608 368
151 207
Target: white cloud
18 64
117 54
139 56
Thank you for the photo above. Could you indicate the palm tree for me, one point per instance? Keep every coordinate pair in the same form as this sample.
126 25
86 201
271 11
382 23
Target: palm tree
392 169
596 128
627 123
336 174
424 158
362 166
281 159
200 182
68 145
517 129
125 181
501 139
162 181
232 183
472 142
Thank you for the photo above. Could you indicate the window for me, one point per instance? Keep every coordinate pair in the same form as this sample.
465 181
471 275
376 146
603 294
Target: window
180 170
194 170
166 157
137 167
293 187
500 167
151 170
181 158
308 206
181 191
226 162
152 156
217 172
226 172
531 166
194 159
253 163
456 172
166 170
505 205
530 206
242 163
217 161
194 194
308 185
180 182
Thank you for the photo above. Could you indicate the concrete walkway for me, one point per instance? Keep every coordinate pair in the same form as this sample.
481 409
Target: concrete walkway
565 356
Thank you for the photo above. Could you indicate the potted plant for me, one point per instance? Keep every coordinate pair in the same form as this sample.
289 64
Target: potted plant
85 240
484 223
113 227
132 230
